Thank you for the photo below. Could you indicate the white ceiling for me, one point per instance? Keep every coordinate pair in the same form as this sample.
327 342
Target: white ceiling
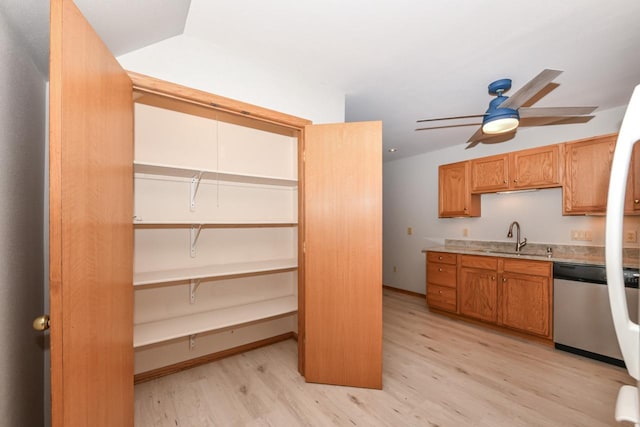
403 60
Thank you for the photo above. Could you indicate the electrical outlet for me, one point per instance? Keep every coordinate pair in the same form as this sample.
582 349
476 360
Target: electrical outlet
631 236
409 231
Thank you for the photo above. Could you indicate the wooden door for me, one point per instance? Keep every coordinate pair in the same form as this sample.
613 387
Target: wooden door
525 302
343 254
489 174
91 233
478 294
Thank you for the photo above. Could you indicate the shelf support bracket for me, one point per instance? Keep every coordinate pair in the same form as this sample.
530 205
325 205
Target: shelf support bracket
193 190
194 234
193 287
192 342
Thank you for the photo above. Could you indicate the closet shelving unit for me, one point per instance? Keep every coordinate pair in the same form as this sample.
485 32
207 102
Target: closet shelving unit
215 215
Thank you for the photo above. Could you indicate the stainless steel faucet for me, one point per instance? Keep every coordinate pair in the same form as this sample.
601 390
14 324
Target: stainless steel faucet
519 244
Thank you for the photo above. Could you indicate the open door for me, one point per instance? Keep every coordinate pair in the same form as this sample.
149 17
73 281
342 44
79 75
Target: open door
343 254
91 232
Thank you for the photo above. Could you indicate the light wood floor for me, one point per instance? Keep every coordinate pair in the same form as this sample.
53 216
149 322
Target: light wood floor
437 372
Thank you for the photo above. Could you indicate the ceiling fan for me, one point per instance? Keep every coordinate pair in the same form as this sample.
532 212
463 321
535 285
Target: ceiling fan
505 113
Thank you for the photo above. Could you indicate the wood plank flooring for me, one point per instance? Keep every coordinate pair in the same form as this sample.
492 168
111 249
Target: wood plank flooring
437 372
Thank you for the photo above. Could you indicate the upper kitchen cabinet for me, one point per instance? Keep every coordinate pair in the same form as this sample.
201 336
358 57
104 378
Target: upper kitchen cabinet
534 168
454 191
587 170
588 164
633 189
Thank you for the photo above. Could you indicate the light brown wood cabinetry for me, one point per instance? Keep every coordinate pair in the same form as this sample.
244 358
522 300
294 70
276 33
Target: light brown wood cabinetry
633 189
442 281
478 288
534 168
454 192
587 169
525 296
507 293
490 174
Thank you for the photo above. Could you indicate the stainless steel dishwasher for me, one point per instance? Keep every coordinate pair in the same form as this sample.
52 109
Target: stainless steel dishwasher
582 322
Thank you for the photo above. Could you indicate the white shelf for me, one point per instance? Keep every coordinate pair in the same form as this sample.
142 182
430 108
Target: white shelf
182 172
211 271
220 224
178 327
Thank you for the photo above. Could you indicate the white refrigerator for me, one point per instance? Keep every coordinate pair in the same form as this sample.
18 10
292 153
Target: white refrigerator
628 332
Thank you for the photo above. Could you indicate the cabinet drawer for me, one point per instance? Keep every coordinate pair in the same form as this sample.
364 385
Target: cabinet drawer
484 262
441 257
535 268
441 297
441 274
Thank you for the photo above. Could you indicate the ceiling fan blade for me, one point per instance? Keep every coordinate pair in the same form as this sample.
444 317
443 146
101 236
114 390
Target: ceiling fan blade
449 126
530 89
478 136
492 139
543 121
554 111
450 118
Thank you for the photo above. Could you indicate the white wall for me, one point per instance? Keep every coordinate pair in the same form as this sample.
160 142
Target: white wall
411 200
22 146
205 66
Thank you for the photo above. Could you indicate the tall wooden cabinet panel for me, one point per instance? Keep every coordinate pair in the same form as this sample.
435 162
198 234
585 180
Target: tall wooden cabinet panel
454 191
90 209
478 287
343 254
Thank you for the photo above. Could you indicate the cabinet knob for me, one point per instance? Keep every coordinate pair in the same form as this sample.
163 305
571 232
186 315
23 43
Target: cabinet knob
515 181
636 201
493 277
504 182
440 292
504 279
439 257
439 269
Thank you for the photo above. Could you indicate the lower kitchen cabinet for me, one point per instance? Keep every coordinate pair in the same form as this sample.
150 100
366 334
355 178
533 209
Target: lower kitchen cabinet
442 281
514 294
478 288
525 296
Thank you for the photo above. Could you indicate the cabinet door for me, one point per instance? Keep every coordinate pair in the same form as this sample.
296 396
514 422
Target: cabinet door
535 168
489 174
526 303
91 232
454 192
634 179
343 254
478 294
588 166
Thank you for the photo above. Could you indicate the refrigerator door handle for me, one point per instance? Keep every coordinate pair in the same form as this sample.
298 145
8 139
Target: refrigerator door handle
628 332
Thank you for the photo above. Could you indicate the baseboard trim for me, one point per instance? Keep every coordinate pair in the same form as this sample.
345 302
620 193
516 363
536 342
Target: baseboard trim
191 363
404 291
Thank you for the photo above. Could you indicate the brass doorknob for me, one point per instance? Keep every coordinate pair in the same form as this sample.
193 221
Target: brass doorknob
41 323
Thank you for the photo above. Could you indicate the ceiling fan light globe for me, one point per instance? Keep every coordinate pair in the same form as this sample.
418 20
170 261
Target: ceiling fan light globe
498 126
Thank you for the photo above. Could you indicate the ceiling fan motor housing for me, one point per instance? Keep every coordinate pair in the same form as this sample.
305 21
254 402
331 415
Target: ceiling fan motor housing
499 120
